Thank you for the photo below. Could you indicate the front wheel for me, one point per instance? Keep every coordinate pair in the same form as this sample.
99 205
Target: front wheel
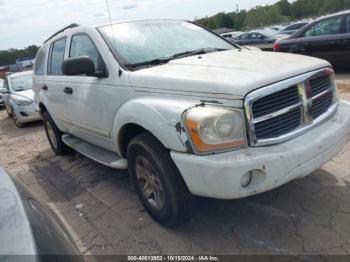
16 121
54 135
157 181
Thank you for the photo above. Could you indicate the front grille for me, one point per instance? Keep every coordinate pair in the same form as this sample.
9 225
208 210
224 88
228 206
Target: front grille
319 85
276 101
275 116
321 105
278 125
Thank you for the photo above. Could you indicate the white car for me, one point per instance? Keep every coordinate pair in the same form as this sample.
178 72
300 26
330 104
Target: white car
19 98
1 88
187 112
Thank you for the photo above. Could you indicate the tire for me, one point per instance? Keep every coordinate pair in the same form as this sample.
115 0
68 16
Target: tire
54 135
172 207
16 121
8 112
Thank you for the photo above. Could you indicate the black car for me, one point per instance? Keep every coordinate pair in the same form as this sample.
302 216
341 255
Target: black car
261 39
327 38
29 230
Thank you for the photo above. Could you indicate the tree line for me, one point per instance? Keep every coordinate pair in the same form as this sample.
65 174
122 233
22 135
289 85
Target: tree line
10 56
279 13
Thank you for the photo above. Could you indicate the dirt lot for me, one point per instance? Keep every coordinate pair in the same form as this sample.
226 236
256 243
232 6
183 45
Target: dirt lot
308 216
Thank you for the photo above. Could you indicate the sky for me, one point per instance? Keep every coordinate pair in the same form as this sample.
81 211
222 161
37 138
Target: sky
27 22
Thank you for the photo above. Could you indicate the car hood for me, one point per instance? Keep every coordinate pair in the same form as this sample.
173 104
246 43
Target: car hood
234 73
26 93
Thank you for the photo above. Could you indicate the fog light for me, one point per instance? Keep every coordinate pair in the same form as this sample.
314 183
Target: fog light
246 179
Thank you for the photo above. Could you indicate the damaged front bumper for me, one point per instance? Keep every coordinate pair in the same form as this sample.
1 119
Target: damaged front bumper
220 175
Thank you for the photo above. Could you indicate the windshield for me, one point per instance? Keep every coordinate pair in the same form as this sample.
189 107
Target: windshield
21 82
142 41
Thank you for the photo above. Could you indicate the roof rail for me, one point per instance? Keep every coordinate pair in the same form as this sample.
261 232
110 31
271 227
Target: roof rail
62 30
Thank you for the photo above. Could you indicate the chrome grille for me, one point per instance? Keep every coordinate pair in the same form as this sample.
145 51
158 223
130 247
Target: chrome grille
276 114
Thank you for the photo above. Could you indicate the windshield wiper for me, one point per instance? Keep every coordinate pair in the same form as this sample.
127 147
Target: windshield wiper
164 60
153 62
198 52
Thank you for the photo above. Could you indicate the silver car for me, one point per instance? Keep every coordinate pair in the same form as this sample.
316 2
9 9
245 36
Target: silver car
19 98
1 87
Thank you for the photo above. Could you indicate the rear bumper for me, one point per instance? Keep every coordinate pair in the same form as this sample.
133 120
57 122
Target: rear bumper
219 175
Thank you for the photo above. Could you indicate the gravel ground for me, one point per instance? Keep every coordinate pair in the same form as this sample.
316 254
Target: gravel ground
307 216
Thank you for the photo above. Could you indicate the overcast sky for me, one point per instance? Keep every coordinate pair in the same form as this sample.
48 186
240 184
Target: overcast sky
26 22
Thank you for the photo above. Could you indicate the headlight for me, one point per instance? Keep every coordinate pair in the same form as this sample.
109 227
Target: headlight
213 129
21 100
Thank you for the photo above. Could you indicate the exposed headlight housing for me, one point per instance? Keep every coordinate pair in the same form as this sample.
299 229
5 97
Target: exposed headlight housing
214 129
21 100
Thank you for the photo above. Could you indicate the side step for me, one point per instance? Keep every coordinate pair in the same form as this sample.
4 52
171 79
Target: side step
100 155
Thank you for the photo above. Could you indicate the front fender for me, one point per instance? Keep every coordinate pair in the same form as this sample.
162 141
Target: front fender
161 117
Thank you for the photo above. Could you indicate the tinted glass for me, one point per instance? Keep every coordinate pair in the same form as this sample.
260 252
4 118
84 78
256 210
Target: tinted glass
40 61
22 82
244 37
82 45
143 41
295 26
331 26
348 24
57 56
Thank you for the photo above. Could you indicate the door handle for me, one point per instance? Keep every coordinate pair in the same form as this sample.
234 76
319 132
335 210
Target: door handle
68 90
44 87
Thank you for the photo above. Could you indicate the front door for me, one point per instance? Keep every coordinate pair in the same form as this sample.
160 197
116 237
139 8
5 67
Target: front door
94 100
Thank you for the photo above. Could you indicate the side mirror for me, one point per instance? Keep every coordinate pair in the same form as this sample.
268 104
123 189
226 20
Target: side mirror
3 90
78 66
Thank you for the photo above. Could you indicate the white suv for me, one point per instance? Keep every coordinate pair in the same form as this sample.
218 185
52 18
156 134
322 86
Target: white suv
187 112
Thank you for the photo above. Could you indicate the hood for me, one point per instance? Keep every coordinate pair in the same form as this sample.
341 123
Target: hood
234 73
26 93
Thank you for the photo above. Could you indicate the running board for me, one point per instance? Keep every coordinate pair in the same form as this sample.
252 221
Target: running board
100 155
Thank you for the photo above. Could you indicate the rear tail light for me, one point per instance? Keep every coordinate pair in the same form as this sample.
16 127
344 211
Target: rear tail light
276 46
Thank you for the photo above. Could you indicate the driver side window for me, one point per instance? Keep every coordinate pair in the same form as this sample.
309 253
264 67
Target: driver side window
82 45
331 26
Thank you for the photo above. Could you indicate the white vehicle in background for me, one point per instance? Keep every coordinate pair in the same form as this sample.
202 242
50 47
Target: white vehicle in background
187 112
19 98
1 88
233 34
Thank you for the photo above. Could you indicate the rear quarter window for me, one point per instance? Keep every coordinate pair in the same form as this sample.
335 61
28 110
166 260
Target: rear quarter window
40 61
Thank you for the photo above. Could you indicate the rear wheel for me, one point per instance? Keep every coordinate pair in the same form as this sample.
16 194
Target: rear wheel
54 135
157 181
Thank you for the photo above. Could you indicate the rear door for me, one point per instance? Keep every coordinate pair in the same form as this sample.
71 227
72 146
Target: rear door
54 83
324 39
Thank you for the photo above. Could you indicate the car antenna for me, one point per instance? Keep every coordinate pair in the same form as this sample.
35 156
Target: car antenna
110 22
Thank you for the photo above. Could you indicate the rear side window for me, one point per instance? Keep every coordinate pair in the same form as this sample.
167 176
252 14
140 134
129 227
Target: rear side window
348 24
57 56
331 26
40 61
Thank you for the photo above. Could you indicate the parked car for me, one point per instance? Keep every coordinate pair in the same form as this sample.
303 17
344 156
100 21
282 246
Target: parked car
263 39
187 113
233 34
19 98
292 28
28 227
1 88
327 38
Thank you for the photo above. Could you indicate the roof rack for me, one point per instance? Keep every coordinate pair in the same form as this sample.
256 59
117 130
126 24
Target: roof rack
62 30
